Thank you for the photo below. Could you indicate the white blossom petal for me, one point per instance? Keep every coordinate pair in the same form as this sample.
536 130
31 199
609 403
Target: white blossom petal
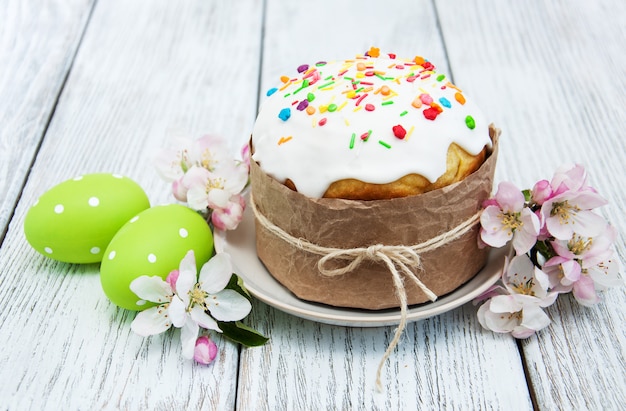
228 305
216 273
177 312
151 321
188 336
152 289
203 319
187 275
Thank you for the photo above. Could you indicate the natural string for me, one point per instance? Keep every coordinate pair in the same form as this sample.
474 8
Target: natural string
397 258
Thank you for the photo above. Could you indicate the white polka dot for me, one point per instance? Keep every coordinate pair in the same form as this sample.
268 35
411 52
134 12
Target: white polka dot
59 208
112 255
95 250
183 233
135 218
117 176
36 202
78 178
48 250
94 201
152 258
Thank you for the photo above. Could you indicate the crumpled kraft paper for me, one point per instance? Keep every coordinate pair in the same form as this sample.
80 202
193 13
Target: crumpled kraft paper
350 224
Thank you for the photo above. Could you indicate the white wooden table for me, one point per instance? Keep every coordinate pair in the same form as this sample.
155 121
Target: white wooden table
90 86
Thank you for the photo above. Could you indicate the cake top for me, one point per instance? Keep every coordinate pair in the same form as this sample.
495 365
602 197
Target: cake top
375 118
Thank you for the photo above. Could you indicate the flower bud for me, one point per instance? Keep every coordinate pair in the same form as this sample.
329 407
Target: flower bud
542 192
205 351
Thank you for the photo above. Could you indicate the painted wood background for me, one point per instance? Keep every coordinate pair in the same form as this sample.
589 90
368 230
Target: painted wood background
89 86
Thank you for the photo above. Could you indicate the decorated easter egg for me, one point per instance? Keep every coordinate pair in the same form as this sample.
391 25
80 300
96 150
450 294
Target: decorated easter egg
75 220
152 243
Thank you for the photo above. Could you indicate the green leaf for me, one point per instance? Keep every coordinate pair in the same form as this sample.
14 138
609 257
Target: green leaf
527 195
236 283
242 334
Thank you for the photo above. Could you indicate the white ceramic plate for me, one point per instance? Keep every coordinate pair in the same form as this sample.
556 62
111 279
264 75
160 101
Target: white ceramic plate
240 244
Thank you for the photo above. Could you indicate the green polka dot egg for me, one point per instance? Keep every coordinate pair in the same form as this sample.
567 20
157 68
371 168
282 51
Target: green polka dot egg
75 220
152 243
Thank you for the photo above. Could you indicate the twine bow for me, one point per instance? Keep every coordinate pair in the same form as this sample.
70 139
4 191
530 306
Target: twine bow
399 259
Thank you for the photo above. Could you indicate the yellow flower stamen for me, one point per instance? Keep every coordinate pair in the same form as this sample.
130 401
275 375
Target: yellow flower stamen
511 221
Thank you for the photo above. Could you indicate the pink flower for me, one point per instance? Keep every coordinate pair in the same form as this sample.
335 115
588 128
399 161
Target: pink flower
569 178
207 152
229 217
584 265
509 219
570 212
205 350
214 189
520 311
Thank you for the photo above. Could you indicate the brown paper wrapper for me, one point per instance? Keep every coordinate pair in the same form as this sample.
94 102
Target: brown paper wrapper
349 224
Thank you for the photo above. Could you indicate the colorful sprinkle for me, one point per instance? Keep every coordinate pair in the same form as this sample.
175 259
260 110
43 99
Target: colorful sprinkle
431 113
310 97
302 68
320 63
322 121
370 107
445 102
399 131
360 66
271 91
332 107
358 101
330 83
366 136
284 114
409 133
417 103
426 99
284 140
459 97
404 113
440 77
284 79
382 143
385 90
373 52
386 103
352 141
310 110
303 105
419 60
470 123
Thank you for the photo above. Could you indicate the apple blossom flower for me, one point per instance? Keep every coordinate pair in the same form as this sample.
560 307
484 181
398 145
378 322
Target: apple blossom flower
509 219
153 320
570 212
205 350
584 265
214 190
197 297
206 152
229 217
520 311
569 177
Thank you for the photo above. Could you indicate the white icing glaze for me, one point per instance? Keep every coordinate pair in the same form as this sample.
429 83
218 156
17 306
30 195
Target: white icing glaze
313 155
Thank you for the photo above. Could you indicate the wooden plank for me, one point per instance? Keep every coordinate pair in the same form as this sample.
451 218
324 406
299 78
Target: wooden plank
443 362
38 41
144 68
554 81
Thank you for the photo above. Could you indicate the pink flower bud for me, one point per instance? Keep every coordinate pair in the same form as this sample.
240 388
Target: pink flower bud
542 192
171 279
179 190
205 351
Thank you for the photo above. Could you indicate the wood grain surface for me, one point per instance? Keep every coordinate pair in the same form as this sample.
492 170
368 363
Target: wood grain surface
98 86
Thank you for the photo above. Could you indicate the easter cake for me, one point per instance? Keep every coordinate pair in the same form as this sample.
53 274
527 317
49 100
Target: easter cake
373 155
